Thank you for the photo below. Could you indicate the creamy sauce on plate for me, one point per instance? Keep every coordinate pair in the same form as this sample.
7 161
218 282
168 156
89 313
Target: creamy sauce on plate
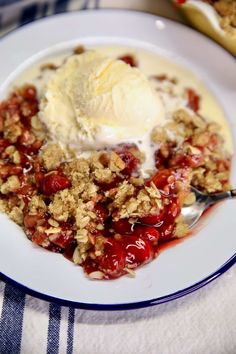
150 64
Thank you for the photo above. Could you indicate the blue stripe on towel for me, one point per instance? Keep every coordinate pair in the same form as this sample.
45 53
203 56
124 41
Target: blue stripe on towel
28 14
44 9
53 328
11 320
70 331
60 6
8 2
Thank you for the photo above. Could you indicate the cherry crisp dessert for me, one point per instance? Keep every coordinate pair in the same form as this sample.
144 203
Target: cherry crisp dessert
98 211
226 11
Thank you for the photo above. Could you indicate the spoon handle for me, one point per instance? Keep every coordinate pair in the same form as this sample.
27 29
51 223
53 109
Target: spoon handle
214 198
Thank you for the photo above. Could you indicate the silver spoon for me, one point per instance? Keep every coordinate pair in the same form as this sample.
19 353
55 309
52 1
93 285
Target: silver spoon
192 213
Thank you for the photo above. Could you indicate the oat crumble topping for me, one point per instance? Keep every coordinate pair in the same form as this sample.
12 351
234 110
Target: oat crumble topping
227 10
92 208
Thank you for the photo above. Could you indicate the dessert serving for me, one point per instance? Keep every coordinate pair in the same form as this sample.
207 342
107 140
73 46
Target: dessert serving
217 18
226 11
98 156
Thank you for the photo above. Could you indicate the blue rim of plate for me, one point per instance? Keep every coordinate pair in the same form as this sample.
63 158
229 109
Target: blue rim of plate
125 306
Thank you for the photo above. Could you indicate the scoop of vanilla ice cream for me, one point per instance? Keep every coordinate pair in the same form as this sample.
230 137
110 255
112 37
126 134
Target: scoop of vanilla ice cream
93 102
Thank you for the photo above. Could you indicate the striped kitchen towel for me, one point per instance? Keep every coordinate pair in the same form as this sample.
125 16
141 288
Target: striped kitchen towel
203 322
14 13
33 326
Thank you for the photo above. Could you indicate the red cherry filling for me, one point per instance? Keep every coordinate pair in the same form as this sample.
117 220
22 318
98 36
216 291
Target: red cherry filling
129 59
153 219
148 232
137 249
180 2
193 99
101 212
160 179
32 221
126 153
63 238
53 183
4 143
129 251
112 262
121 226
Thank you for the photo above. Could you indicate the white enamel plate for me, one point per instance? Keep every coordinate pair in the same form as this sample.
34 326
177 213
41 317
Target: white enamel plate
178 270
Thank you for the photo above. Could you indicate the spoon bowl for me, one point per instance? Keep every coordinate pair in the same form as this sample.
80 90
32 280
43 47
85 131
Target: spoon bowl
193 212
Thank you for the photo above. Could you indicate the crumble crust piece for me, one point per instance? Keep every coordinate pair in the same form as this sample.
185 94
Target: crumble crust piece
227 10
52 156
197 138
